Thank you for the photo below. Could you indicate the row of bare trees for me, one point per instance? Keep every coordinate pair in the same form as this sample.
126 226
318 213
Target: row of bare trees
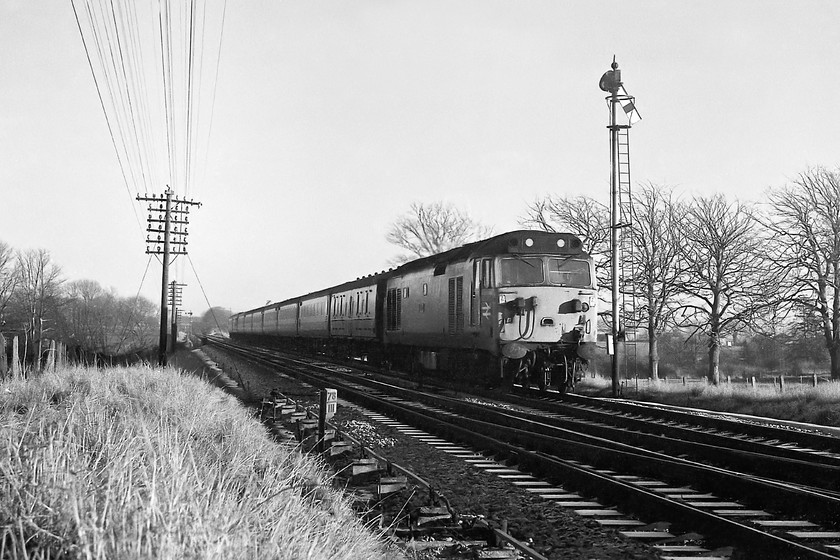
705 266
37 304
714 267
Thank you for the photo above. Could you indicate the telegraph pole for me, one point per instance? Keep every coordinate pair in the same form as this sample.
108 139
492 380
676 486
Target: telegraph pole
175 301
168 218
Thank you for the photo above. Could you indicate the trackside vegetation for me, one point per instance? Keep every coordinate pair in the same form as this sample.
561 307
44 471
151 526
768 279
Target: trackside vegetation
799 402
149 463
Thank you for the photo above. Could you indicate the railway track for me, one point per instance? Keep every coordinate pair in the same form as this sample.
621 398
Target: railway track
730 494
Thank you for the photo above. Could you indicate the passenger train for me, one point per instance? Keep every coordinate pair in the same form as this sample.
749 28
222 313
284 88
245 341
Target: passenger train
515 308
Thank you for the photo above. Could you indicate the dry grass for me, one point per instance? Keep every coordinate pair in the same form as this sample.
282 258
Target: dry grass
143 463
798 402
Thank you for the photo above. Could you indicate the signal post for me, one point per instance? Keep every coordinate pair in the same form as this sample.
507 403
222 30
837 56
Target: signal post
620 211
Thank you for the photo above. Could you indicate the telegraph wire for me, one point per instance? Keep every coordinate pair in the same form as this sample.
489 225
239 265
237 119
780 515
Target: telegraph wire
107 120
116 37
200 285
215 78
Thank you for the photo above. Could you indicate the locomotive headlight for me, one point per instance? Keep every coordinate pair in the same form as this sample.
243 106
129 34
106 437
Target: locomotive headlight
561 243
529 242
584 307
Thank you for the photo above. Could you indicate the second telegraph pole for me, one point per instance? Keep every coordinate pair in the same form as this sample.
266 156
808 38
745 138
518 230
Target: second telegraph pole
168 218
175 301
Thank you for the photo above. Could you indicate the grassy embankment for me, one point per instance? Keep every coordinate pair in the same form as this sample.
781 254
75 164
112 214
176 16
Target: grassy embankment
798 402
144 463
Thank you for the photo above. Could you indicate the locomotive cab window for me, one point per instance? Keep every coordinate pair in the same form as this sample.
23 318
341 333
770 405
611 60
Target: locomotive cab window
521 271
569 272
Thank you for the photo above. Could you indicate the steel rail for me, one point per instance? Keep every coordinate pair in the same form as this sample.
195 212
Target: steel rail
715 419
538 453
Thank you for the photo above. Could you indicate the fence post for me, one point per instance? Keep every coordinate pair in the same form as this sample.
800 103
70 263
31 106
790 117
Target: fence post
684 380
752 382
51 357
4 366
15 359
728 379
815 380
781 383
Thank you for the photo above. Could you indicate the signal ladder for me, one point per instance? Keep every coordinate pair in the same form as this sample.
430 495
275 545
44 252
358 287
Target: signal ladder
626 280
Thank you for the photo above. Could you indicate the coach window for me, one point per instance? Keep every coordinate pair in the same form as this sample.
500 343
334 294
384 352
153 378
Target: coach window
425 289
405 293
350 309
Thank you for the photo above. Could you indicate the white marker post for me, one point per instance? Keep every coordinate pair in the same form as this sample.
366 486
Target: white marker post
326 410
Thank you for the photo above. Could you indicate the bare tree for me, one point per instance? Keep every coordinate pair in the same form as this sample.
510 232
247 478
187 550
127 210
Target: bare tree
137 324
727 283
805 219
98 321
213 320
8 277
85 314
657 268
582 215
39 285
428 229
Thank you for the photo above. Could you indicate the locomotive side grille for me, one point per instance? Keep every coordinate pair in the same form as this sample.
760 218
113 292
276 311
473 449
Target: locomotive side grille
393 309
456 305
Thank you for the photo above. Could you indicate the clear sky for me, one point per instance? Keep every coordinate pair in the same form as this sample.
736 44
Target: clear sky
331 117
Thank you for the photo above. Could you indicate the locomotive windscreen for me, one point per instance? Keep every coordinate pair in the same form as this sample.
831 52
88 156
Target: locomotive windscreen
522 271
530 271
568 272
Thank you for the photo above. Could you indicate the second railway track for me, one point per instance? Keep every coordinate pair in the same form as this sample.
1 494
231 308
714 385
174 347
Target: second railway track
762 498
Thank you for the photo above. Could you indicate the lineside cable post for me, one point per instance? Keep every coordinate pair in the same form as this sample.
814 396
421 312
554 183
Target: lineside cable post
168 221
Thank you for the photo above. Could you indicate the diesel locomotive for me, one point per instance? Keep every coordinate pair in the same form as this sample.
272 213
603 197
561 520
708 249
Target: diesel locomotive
515 308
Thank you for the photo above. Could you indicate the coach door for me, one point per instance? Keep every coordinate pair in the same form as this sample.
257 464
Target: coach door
481 295
456 305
